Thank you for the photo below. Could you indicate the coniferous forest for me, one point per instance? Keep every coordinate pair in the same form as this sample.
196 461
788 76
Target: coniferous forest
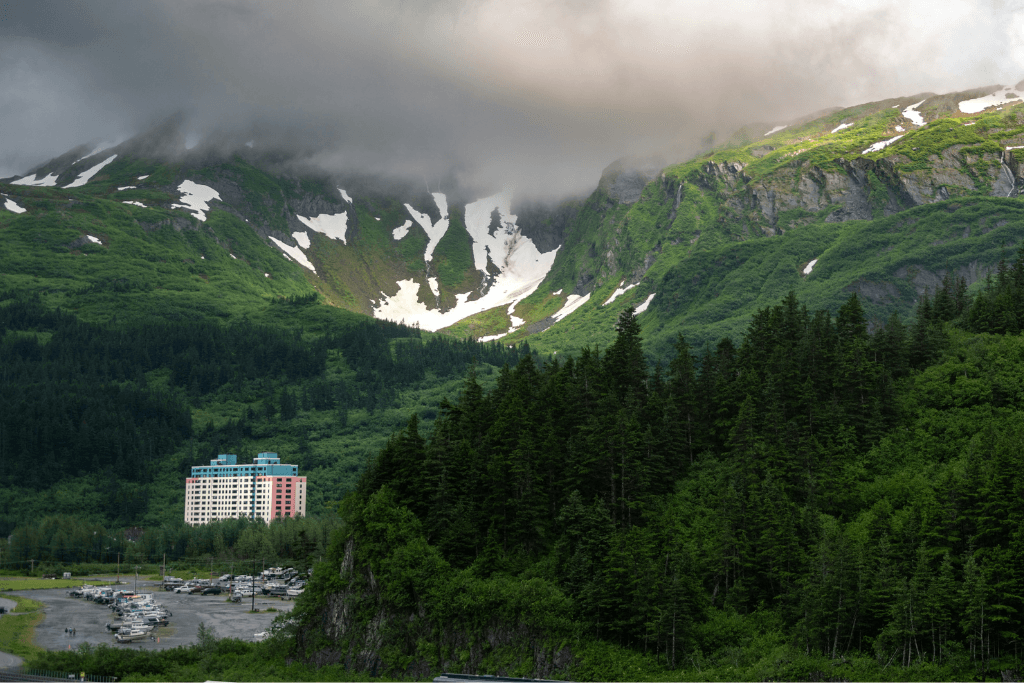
816 490
822 499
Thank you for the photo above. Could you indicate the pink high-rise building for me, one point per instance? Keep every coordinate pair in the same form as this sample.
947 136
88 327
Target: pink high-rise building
266 489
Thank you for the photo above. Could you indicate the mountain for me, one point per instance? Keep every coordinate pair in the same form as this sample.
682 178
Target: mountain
824 493
884 199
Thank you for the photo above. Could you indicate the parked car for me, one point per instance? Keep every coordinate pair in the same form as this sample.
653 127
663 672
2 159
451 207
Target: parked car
212 590
197 589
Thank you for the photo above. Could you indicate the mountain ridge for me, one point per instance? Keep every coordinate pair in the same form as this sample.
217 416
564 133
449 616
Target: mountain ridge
383 248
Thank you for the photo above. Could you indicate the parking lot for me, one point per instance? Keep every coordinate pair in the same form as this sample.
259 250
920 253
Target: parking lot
89 619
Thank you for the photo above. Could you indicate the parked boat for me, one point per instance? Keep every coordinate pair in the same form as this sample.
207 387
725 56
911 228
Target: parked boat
131 636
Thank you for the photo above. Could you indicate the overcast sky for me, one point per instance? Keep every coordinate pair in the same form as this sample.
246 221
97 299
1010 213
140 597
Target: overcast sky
541 94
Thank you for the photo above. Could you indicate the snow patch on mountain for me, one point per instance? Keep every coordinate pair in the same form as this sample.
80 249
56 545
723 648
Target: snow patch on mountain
195 198
333 225
774 130
556 293
136 204
294 252
521 266
85 177
979 104
435 231
516 324
13 207
126 187
302 238
94 240
344 195
841 126
643 307
879 146
102 147
49 181
914 115
572 302
618 292
809 267
402 230
432 282
143 177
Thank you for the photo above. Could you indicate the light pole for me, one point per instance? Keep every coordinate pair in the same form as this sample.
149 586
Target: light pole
136 579
254 584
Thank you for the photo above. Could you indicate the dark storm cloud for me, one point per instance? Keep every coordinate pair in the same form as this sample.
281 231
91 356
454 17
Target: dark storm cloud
541 94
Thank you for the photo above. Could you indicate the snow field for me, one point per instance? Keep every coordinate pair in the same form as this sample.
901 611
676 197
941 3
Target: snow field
915 116
302 238
618 292
899 129
432 283
643 307
878 146
294 252
136 204
333 225
142 177
982 103
195 198
94 240
49 181
87 175
776 129
402 230
556 293
344 195
516 324
841 126
126 187
13 207
809 266
572 302
522 267
435 231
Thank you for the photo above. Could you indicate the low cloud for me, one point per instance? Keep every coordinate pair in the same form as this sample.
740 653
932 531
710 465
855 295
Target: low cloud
539 94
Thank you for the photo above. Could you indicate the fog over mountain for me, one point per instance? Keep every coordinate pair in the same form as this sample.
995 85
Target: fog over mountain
537 94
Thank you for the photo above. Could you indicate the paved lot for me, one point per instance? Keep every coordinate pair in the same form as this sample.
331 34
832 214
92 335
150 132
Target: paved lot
229 620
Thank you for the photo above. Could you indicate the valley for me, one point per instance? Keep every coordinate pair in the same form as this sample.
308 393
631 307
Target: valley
750 414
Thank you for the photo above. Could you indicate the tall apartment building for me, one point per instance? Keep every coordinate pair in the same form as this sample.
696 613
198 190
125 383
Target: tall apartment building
266 489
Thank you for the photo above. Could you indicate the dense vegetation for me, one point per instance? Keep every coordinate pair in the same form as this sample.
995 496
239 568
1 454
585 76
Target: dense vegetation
812 502
104 420
813 499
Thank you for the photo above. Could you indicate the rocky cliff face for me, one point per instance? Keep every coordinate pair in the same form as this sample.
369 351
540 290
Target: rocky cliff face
381 629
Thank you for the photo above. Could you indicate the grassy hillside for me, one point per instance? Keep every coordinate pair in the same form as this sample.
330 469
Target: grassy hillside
718 236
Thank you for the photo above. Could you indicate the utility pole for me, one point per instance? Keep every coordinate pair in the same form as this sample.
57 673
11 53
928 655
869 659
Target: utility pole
254 584
118 568
32 567
136 579
163 567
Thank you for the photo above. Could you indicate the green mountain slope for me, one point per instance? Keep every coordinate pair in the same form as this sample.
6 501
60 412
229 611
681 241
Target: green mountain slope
721 235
